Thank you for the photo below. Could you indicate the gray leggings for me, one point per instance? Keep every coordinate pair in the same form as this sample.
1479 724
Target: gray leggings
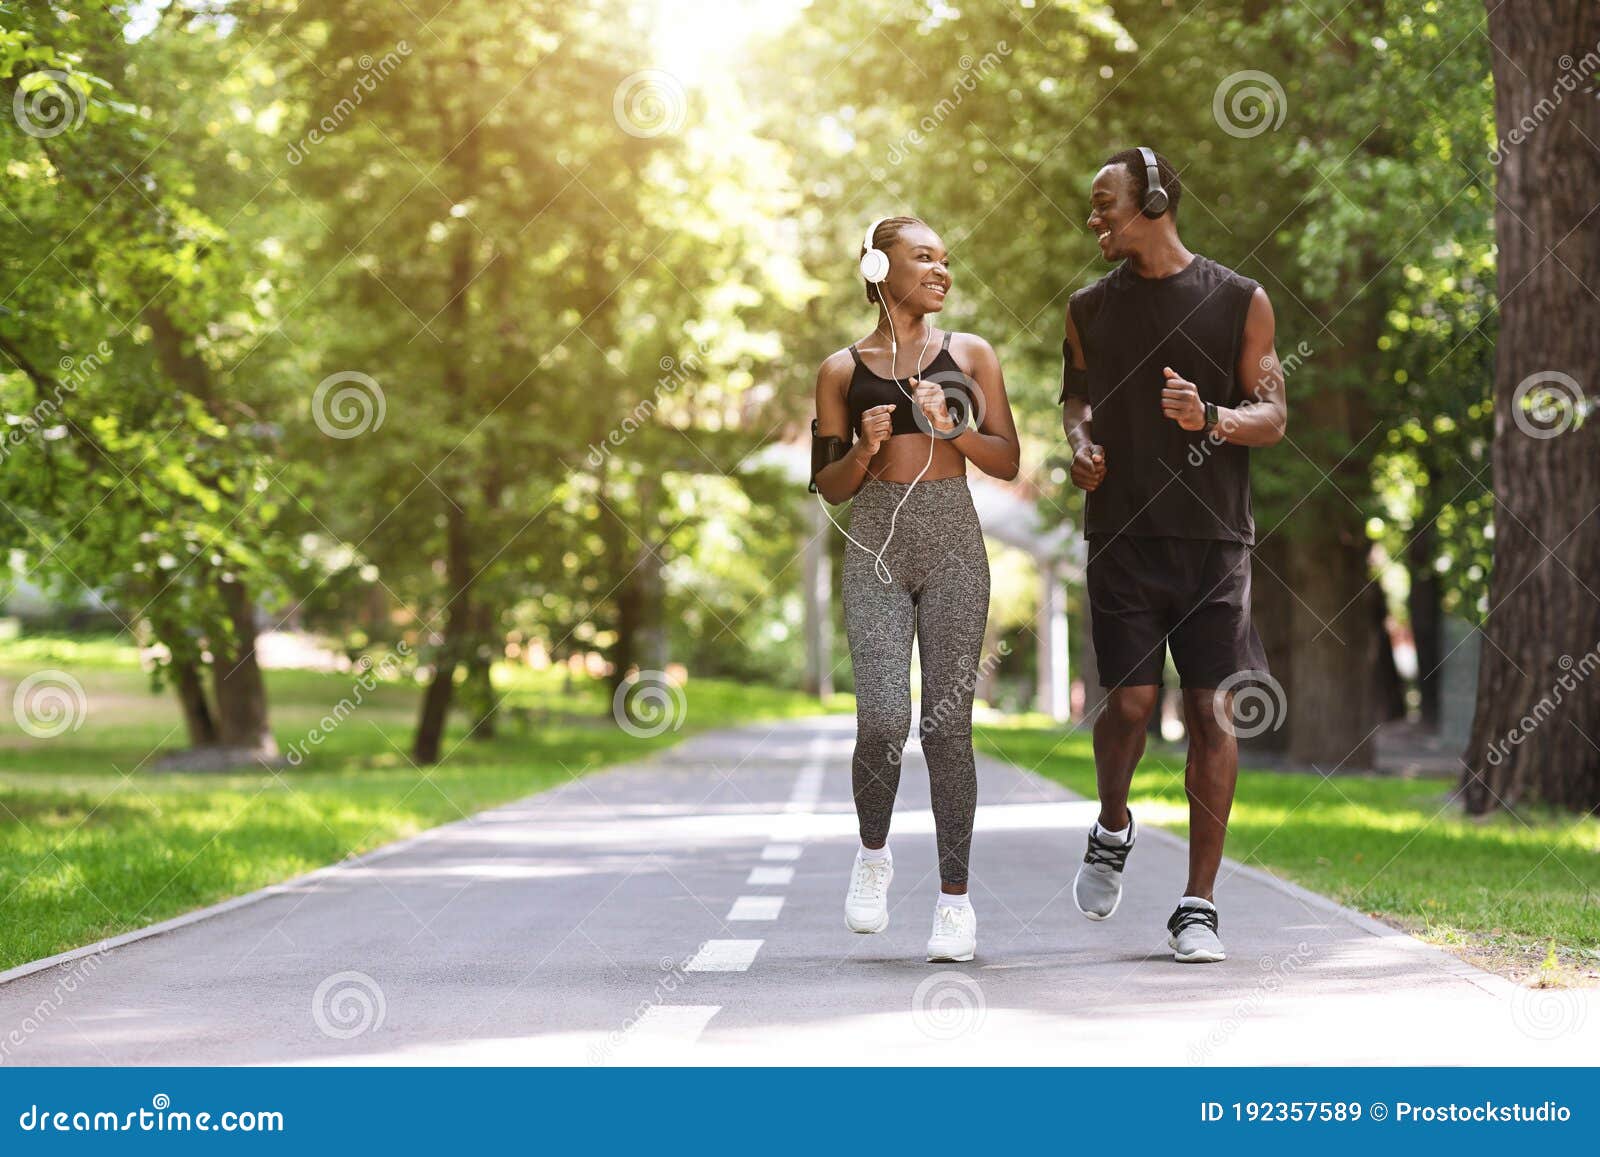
940 593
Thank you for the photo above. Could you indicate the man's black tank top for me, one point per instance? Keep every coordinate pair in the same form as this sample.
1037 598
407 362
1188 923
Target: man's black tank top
867 389
1162 480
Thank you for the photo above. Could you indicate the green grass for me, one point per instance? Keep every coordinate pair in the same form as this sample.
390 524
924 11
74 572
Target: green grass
1504 891
94 841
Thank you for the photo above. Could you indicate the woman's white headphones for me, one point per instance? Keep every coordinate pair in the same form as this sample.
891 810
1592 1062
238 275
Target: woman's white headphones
874 261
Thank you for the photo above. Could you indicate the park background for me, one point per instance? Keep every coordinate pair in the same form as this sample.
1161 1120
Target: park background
406 409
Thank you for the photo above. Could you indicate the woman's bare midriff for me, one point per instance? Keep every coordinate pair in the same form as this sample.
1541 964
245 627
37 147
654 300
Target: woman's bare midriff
902 457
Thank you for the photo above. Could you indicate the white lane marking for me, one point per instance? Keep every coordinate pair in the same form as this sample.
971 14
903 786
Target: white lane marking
781 852
724 956
807 790
764 876
756 908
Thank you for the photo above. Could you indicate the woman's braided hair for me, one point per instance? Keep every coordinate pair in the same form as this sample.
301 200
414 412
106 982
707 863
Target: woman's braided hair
885 235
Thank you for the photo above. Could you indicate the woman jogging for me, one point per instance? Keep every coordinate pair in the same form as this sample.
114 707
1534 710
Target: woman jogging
916 564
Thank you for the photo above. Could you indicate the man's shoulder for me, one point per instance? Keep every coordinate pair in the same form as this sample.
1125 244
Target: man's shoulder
1222 274
1095 289
1085 303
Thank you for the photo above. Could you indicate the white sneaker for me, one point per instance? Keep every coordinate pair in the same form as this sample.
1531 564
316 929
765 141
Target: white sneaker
866 905
955 933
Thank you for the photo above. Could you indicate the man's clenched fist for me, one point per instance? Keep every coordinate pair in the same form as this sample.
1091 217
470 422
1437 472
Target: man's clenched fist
1180 401
1089 467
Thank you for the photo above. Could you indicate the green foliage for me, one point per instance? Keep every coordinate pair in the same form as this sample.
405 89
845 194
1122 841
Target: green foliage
1365 211
134 466
583 335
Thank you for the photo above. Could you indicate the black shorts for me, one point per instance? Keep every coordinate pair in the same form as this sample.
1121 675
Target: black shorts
1191 593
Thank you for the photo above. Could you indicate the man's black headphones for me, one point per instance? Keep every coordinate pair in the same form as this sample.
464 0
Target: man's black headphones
1155 196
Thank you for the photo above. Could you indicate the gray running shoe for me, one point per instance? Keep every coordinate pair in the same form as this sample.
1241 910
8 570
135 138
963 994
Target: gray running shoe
1097 889
1192 935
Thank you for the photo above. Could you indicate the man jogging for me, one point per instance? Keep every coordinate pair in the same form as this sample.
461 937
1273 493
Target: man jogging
1169 377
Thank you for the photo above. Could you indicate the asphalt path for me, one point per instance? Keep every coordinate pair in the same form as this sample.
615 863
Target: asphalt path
688 909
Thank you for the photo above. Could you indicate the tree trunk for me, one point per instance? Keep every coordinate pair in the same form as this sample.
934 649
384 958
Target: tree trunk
477 689
1332 646
435 711
191 692
238 686
1427 620
650 645
436 699
237 683
629 597
1332 721
458 605
1536 733
630 601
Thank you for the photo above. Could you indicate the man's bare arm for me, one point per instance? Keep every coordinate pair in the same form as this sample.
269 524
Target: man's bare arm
1088 458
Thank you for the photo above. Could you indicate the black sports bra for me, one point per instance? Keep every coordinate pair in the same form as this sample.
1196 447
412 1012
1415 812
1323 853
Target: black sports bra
867 390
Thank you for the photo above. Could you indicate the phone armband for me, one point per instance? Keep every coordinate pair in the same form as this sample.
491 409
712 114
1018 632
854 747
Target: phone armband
824 452
1074 383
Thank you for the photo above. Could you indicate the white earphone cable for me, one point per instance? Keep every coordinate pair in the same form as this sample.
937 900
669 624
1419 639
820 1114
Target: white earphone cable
879 567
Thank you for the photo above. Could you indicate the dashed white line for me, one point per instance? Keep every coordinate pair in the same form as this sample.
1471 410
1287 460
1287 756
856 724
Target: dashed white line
724 956
781 852
756 908
807 790
760 877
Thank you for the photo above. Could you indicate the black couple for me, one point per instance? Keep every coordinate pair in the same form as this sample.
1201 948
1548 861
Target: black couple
1169 377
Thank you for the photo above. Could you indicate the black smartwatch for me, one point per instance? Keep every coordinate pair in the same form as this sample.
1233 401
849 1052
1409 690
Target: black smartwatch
1211 417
